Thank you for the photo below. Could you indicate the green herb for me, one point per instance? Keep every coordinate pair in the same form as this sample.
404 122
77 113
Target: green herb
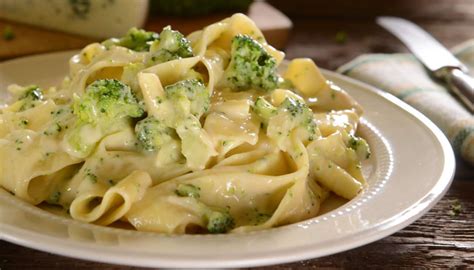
91 176
80 8
23 123
8 33
18 143
188 190
341 37
58 112
55 197
31 94
261 217
456 208
231 190
219 222
353 143
58 127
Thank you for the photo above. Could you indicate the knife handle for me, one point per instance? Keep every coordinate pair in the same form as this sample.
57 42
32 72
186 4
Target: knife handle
462 85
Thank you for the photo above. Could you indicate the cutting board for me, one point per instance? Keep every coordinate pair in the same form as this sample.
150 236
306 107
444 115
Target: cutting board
32 40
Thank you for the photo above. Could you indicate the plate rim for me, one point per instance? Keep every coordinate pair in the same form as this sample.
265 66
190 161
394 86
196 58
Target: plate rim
363 237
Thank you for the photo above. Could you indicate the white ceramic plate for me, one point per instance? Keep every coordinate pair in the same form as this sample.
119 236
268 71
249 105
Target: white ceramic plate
411 168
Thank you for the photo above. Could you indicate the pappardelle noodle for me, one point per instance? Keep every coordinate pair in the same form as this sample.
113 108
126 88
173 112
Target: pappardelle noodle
208 133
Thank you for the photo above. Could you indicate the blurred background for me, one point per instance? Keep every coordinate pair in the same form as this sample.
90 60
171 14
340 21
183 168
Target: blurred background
331 32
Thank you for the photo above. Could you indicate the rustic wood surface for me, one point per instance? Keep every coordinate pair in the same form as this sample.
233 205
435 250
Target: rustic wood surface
437 240
33 40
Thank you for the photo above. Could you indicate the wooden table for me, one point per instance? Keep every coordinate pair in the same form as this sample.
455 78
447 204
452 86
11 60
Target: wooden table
437 240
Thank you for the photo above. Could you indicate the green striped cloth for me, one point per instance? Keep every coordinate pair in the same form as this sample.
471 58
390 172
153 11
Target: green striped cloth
405 77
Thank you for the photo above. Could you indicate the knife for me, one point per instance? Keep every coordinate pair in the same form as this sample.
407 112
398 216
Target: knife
434 56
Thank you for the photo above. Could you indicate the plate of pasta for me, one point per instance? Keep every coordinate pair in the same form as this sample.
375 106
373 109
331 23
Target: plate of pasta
210 150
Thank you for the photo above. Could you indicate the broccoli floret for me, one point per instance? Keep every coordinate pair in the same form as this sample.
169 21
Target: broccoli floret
31 95
360 146
290 114
152 134
297 109
189 96
171 45
180 109
107 99
188 190
250 66
33 92
264 109
219 222
291 106
300 113
215 219
189 100
106 107
136 39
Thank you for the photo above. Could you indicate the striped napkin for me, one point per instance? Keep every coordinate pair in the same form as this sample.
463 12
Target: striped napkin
405 77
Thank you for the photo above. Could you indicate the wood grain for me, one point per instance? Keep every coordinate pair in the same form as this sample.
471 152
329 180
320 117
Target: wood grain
439 10
32 40
317 39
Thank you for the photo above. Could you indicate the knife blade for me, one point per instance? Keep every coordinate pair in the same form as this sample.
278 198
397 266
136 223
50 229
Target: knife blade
436 58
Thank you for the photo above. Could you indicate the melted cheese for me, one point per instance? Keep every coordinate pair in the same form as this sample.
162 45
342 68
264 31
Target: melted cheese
235 163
